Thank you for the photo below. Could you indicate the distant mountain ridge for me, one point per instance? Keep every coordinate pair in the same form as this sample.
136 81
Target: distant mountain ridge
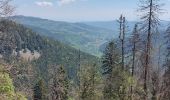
86 36
78 35
114 26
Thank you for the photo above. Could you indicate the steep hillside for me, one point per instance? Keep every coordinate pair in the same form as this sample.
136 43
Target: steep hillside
88 36
19 42
78 35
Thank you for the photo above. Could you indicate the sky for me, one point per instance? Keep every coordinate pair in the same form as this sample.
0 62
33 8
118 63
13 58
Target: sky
83 10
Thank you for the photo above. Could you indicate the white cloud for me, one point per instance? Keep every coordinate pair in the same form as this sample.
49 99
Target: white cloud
63 2
44 3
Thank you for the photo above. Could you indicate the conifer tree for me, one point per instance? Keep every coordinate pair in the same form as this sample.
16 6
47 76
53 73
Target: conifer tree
111 58
7 89
39 90
90 82
110 61
59 83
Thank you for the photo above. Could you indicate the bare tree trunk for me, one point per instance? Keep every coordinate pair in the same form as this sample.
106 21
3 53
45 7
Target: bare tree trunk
122 23
147 59
123 40
134 40
122 36
133 66
78 67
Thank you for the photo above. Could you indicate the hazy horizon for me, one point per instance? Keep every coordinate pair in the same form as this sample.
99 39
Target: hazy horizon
82 10
80 21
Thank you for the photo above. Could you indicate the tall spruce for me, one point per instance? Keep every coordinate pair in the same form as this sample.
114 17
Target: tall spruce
110 61
90 83
111 58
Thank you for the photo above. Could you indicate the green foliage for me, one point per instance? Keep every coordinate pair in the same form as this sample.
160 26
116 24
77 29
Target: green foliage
63 81
6 85
117 85
40 91
90 83
20 97
117 82
51 51
15 37
59 84
111 58
78 35
7 89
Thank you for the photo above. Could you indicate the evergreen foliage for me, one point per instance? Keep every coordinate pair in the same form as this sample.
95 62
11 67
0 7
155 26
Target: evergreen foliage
39 91
7 91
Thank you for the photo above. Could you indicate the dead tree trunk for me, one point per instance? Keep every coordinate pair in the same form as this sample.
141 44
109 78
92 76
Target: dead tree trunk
122 27
135 40
147 59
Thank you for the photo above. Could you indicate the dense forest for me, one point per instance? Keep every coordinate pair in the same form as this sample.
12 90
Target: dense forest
53 60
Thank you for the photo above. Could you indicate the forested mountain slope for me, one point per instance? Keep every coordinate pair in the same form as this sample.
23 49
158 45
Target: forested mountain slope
78 35
20 43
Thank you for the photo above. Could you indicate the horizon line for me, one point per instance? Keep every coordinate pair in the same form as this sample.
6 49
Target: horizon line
50 19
